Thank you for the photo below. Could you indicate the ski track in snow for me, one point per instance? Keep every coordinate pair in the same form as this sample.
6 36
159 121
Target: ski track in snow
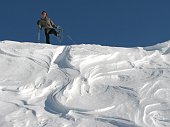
84 85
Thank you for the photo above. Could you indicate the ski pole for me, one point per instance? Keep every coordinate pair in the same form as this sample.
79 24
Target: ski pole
69 37
39 34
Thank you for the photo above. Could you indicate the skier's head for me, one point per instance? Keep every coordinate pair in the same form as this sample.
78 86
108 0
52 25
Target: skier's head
43 14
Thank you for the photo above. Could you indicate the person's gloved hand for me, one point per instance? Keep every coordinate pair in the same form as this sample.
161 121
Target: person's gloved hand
57 27
39 27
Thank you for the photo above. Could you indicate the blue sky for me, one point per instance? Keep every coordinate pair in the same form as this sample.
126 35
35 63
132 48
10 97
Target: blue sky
126 23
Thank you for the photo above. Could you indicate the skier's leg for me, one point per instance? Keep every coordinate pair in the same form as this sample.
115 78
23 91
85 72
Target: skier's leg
53 31
47 37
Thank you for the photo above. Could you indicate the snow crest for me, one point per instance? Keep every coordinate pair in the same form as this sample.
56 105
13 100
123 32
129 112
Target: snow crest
84 85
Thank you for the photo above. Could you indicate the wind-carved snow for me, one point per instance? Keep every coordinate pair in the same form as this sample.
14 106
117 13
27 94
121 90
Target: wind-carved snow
84 86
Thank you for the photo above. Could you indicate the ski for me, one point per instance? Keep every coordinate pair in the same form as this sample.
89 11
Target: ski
60 36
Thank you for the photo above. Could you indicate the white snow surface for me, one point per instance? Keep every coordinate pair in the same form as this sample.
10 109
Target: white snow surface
84 85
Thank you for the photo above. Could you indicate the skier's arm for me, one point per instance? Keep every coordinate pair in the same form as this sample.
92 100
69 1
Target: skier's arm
39 24
53 24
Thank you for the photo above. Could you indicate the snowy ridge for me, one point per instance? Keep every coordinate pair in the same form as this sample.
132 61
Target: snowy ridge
84 85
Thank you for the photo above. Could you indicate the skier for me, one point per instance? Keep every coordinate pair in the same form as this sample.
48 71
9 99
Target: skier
48 25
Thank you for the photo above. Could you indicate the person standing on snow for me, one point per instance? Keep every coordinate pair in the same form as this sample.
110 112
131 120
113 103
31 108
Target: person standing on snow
48 25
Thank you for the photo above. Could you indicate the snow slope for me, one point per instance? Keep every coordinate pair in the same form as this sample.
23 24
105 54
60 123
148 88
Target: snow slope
84 85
